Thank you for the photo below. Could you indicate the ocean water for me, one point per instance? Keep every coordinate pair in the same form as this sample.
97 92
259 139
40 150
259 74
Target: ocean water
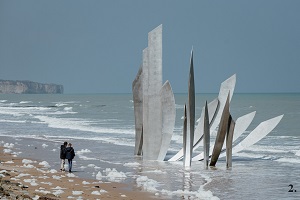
101 128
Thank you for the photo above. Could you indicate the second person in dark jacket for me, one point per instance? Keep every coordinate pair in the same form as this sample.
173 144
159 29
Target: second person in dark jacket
70 154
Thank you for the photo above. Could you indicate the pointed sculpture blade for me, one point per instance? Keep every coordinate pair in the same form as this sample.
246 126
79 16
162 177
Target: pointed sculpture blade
221 134
212 107
152 112
206 137
190 116
229 138
258 133
168 117
137 91
212 110
241 125
186 162
227 86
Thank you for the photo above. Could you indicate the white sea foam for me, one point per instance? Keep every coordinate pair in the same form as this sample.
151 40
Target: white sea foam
99 176
13 121
260 148
288 160
86 158
28 166
111 175
79 124
96 193
297 153
45 164
134 164
200 194
7 150
52 171
29 180
156 171
68 108
60 104
114 176
56 177
147 184
8 145
43 177
77 192
22 175
24 102
33 183
47 183
83 151
58 188
58 192
27 161
70 175
85 183
43 191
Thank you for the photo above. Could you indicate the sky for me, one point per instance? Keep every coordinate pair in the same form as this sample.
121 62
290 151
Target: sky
95 46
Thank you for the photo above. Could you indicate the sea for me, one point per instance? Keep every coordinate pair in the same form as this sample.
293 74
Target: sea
102 130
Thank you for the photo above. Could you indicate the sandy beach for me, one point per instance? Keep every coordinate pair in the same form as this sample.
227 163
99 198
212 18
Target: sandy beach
23 178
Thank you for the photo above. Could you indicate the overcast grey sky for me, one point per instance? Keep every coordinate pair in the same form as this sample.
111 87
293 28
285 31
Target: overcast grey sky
96 46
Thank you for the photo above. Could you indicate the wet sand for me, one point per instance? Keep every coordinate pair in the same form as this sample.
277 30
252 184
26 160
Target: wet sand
23 178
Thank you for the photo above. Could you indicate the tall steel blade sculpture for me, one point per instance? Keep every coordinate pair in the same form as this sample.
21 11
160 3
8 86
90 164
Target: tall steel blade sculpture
185 139
221 134
229 138
137 92
258 133
168 118
198 134
154 110
206 136
154 104
241 125
190 117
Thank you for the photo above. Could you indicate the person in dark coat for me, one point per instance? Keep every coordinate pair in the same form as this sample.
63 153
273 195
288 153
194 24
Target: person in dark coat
63 156
70 155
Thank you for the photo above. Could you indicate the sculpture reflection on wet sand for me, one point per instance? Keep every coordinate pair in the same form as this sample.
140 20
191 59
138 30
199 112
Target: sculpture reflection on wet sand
154 110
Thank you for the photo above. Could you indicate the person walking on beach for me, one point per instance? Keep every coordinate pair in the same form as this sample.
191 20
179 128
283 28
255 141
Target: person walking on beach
63 156
70 155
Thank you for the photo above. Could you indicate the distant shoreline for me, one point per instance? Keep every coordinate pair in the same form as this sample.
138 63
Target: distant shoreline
29 87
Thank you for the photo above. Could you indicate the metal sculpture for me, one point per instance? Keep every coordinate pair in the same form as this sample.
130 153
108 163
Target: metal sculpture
185 139
206 136
223 127
241 125
229 138
215 109
137 92
168 118
154 111
263 129
188 150
154 104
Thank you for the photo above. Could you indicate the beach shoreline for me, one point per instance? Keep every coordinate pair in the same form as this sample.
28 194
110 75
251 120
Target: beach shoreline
25 178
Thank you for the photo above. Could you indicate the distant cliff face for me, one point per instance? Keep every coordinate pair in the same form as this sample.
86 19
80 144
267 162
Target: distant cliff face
29 87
